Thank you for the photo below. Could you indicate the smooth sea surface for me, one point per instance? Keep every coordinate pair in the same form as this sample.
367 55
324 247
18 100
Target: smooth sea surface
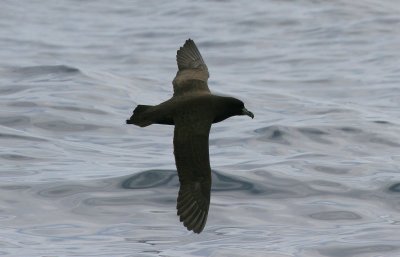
316 173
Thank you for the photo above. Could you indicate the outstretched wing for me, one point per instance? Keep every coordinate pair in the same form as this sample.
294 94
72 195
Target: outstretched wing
193 164
192 72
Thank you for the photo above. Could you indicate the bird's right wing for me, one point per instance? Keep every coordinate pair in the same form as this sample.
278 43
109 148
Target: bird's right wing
193 164
192 73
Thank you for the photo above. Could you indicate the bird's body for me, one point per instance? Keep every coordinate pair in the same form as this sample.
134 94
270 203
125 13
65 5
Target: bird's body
203 105
192 109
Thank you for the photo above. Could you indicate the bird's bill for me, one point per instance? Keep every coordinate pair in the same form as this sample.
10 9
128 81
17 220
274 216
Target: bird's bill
247 112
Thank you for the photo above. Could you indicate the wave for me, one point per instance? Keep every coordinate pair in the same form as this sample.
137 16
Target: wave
45 69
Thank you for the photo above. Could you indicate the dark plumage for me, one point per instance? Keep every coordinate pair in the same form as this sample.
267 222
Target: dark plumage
192 110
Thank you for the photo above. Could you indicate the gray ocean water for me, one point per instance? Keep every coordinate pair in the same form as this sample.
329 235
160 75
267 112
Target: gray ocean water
316 173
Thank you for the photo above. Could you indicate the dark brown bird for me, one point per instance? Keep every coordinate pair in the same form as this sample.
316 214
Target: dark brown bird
192 110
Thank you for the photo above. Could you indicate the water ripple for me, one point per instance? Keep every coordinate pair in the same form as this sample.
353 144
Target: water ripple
335 215
33 71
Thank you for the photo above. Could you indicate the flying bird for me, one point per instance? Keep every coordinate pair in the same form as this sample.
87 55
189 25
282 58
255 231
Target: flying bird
192 109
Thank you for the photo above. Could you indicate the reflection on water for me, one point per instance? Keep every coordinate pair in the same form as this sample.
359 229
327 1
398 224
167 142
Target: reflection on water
169 178
395 188
150 179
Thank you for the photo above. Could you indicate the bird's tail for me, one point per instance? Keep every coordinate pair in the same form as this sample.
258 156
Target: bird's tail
139 116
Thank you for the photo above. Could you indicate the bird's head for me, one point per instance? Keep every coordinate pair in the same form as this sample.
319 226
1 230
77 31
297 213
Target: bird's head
239 109
232 107
244 111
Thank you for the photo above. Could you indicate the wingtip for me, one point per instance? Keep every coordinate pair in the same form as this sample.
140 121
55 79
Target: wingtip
188 42
192 218
188 57
190 212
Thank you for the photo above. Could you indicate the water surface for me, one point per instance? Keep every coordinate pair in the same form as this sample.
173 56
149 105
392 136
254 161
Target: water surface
316 173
